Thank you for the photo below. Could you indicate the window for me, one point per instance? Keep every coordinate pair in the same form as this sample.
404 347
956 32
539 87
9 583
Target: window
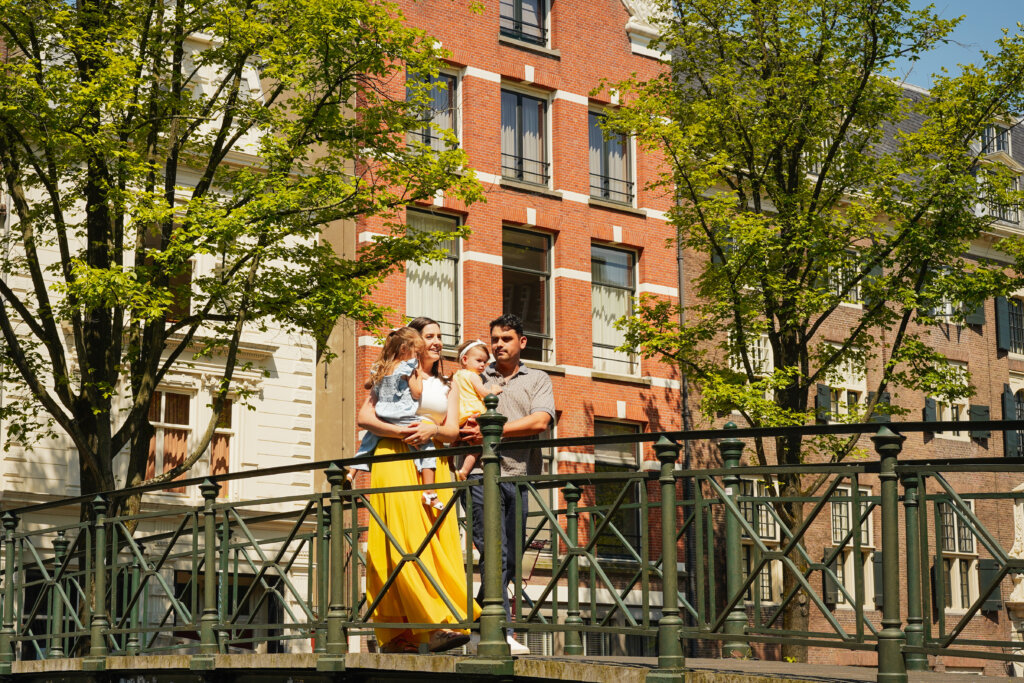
169 414
1005 212
179 278
612 289
995 138
952 411
615 457
609 164
759 515
841 277
523 138
843 520
441 111
1018 402
525 20
220 448
847 388
247 606
759 353
1016 315
431 288
526 287
959 557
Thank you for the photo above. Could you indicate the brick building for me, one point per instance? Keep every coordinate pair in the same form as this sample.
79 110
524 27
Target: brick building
568 233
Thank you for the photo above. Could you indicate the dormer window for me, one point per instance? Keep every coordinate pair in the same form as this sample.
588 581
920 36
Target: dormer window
995 138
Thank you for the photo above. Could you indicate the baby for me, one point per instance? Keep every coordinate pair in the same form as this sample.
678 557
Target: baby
473 357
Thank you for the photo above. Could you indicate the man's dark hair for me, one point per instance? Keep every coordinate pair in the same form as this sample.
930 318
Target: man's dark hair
509 321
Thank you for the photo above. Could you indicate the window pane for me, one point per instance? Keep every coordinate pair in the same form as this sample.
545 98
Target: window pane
521 249
596 137
948 528
509 124
617 458
430 288
176 409
525 294
612 267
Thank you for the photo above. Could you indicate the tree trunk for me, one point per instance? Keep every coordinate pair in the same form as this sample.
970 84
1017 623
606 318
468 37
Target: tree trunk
795 616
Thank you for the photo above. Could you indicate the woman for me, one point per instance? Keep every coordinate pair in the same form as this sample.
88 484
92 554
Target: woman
411 598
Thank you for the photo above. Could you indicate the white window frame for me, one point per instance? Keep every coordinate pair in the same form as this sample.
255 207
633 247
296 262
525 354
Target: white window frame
958 560
456 75
1000 133
450 338
630 163
845 383
768 584
632 461
548 99
759 349
634 359
546 26
160 427
958 410
837 280
845 570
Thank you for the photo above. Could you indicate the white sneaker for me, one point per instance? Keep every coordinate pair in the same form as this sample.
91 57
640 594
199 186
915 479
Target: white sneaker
516 647
474 642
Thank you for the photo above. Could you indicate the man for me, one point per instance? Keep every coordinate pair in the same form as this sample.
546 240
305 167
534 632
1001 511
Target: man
529 404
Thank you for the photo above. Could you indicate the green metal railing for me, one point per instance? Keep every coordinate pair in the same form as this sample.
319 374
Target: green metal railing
284 574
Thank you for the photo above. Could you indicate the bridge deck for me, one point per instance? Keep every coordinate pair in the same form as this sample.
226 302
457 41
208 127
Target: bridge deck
301 668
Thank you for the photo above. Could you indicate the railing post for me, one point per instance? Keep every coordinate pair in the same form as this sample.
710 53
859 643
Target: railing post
131 646
10 523
337 638
208 649
322 577
99 624
573 638
915 661
494 657
736 623
891 639
60 549
670 649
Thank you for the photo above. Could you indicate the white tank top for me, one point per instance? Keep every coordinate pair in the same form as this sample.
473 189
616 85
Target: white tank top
434 401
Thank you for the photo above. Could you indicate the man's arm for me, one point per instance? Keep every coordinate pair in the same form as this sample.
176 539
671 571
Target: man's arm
534 423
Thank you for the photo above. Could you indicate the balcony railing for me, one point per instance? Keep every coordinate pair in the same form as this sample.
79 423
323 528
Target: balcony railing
232 576
526 31
611 189
524 169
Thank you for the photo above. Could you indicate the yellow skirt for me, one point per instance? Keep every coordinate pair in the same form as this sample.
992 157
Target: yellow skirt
411 598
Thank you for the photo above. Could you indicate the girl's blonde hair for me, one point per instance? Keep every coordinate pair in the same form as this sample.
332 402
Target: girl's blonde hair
459 352
400 341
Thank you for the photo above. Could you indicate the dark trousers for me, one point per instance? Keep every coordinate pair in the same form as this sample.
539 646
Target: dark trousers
507 498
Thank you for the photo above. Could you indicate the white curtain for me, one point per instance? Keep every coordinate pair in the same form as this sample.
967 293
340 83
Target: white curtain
609 304
532 18
533 140
617 169
442 105
508 133
430 288
596 143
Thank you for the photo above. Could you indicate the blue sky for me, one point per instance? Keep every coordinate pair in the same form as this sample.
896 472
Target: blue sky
978 31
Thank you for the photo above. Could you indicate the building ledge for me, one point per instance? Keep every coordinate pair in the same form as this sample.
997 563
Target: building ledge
542 190
615 206
618 377
549 368
530 47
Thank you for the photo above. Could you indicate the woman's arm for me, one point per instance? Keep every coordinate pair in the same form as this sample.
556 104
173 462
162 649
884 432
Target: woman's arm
367 419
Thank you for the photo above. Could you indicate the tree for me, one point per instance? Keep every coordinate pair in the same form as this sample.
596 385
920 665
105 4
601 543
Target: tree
140 138
806 177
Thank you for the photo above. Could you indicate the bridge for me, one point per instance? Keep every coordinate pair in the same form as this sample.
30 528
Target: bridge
193 587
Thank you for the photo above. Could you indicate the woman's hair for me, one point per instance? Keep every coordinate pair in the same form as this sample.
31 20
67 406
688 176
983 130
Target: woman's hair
400 342
470 342
419 324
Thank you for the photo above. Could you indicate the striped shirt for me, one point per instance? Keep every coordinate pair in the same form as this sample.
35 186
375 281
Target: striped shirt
524 393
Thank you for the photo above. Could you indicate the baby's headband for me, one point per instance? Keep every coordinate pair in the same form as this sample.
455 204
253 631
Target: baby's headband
471 346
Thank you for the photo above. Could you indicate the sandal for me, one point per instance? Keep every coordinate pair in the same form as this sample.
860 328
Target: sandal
444 639
399 646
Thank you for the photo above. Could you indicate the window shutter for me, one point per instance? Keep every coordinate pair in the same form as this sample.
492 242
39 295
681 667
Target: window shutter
979 414
876 562
929 410
823 403
977 316
1011 438
882 400
938 590
1002 324
988 569
829 584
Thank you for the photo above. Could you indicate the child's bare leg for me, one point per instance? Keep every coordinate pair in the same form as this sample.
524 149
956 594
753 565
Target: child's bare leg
468 463
430 495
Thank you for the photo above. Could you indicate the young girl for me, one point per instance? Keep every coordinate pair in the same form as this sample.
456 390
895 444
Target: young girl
473 357
398 386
